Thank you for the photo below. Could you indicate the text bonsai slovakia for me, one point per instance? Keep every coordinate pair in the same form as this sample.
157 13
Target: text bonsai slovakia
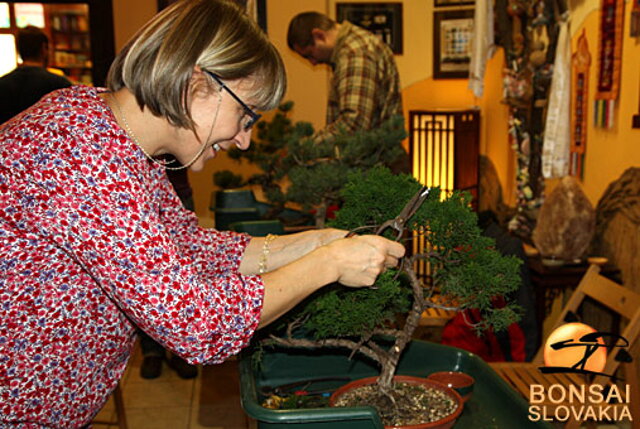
594 402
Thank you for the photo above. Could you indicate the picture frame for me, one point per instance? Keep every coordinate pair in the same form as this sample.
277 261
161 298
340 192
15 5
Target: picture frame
381 19
452 35
445 3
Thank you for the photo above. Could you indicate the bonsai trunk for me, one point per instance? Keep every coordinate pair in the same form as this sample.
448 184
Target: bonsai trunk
390 361
321 214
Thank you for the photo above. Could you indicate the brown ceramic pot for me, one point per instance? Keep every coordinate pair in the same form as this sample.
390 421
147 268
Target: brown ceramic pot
444 423
459 381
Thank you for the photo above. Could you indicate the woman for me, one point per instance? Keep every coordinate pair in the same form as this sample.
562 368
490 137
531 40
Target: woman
94 241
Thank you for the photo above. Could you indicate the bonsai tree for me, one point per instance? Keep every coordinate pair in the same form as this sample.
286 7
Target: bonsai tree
319 170
300 169
464 266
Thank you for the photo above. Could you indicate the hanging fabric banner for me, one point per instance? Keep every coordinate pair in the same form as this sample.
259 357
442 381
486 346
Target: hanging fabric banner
634 22
609 61
557 135
483 46
581 63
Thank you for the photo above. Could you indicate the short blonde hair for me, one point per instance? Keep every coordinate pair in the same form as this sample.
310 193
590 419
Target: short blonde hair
157 64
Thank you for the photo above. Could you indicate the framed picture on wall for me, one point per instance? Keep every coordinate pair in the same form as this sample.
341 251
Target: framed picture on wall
443 3
452 34
382 19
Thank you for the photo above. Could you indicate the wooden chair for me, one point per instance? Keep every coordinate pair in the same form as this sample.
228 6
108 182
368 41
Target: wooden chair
626 303
121 417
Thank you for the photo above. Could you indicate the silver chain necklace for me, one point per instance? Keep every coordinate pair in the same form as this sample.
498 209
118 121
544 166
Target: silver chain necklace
162 163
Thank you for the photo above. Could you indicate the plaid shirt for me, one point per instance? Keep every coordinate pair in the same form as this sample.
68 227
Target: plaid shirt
365 86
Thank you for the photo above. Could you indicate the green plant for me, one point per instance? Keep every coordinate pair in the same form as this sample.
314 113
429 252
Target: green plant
464 267
296 167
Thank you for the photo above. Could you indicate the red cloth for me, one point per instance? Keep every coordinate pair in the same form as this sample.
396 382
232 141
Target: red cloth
93 239
459 333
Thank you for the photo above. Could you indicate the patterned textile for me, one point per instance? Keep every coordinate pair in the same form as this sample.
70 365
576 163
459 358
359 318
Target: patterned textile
609 62
365 86
557 128
94 241
483 45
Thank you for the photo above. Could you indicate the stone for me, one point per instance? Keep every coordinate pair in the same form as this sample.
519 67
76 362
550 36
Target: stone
618 226
566 223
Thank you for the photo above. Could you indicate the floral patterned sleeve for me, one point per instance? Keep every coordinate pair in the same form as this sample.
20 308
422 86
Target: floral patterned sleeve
177 281
94 244
110 209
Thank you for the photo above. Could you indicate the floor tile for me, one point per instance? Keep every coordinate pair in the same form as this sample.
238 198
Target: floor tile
158 417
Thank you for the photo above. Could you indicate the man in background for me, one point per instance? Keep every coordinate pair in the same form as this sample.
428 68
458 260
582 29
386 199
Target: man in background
365 84
25 85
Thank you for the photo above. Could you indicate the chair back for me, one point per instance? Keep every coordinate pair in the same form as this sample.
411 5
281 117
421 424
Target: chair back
617 298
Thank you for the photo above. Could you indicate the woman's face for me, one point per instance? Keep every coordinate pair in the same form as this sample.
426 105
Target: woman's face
219 119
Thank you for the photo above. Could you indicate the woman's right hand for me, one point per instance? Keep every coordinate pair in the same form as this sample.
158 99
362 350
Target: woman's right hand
359 260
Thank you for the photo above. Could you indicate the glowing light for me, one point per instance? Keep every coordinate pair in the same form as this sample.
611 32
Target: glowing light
570 356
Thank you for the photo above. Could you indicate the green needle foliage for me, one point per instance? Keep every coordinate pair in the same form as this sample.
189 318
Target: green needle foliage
311 173
342 312
465 264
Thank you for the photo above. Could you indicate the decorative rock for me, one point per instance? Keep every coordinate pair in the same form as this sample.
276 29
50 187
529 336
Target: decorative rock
618 226
566 223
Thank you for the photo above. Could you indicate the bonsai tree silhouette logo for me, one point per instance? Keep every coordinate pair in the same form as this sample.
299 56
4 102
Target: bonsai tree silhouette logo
578 348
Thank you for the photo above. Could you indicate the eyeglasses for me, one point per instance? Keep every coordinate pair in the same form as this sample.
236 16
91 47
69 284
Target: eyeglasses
252 117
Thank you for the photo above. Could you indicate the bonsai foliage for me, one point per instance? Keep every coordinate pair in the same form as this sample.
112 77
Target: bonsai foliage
300 169
320 169
464 266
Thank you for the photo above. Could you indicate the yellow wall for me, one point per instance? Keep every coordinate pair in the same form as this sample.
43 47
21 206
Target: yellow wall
609 152
129 16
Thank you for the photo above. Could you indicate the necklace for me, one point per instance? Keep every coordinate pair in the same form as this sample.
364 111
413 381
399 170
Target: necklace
129 131
163 163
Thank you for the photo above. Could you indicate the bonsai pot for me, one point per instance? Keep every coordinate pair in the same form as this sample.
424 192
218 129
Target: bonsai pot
459 381
445 422
493 403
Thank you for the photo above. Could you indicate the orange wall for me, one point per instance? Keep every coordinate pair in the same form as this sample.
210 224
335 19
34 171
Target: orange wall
609 152
454 94
129 16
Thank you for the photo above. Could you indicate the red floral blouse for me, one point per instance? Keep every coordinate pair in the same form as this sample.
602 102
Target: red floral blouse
94 241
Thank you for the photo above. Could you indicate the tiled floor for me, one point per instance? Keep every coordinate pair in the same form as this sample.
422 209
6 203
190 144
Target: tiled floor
210 401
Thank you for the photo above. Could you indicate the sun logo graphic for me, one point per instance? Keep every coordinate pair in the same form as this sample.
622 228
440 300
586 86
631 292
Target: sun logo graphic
576 348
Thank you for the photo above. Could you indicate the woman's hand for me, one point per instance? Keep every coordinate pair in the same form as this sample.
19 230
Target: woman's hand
303 263
360 259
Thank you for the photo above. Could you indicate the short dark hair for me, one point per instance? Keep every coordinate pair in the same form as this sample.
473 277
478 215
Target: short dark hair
31 40
299 33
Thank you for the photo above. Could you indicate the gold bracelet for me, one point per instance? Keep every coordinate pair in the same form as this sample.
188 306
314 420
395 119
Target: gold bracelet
262 264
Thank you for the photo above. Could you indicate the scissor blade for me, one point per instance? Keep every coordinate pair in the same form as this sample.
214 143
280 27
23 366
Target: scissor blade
414 203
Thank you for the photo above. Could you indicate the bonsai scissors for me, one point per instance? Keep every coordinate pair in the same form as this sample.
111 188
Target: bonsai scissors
400 222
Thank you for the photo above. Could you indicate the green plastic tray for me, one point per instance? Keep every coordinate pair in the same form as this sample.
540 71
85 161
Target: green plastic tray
493 404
